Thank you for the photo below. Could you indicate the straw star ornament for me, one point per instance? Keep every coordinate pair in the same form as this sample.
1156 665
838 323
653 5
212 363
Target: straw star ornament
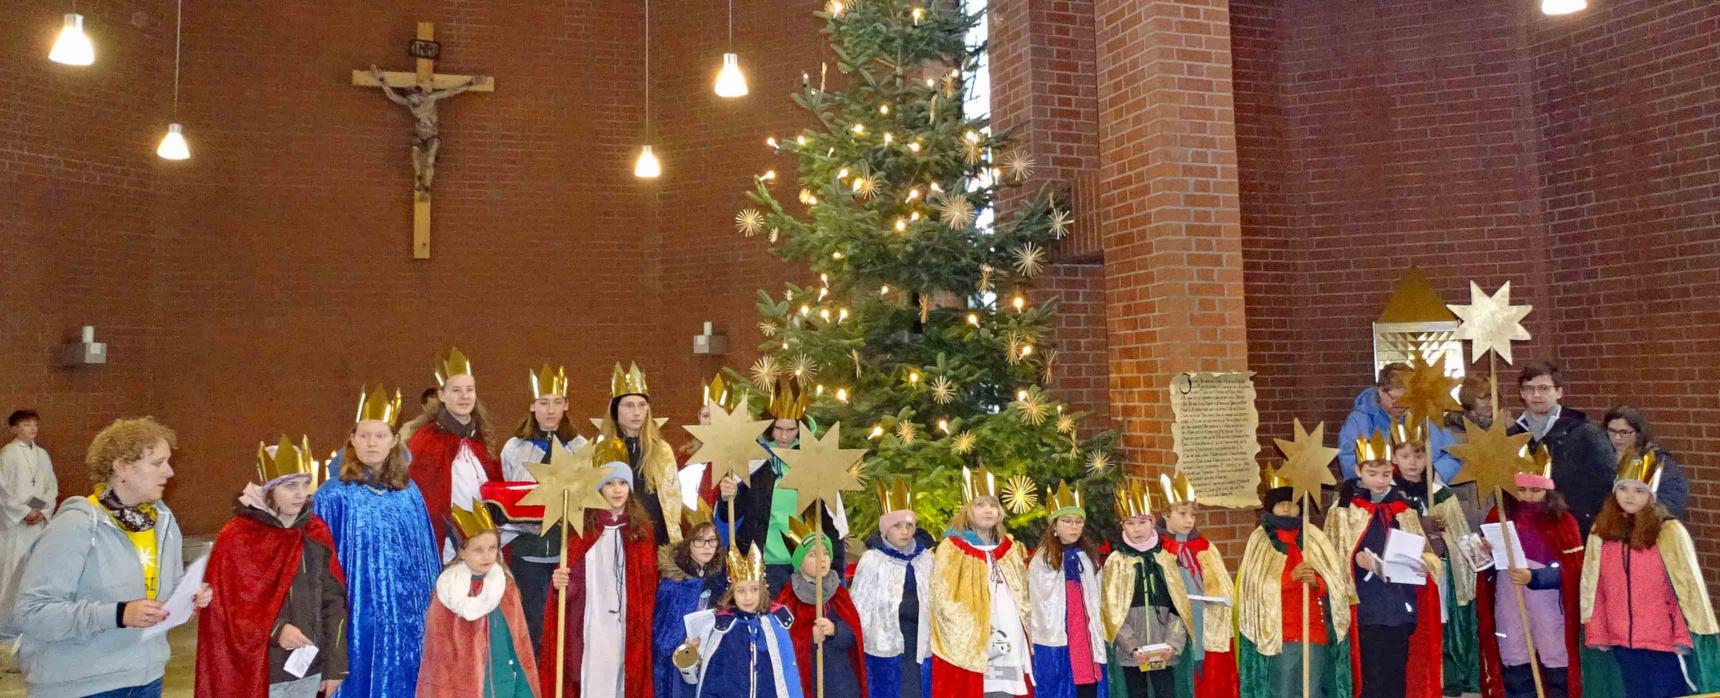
1307 461
820 469
730 442
1491 323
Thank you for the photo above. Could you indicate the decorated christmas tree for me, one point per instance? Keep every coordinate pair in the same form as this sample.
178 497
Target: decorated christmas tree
916 333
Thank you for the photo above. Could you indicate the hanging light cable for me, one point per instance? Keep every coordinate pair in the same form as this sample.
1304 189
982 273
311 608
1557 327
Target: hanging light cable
173 145
731 82
1563 7
647 166
73 47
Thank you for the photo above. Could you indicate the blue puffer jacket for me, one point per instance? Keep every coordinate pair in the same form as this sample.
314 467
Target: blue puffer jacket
1366 416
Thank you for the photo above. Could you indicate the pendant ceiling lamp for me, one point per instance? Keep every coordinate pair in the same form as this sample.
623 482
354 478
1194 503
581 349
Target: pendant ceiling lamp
1562 7
73 46
173 145
731 82
647 166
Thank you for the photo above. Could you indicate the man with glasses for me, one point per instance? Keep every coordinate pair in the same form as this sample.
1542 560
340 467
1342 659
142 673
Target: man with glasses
1583 457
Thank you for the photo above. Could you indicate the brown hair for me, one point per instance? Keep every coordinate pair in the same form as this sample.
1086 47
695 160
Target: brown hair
1474 388
1638 423
1640 530
393 474
639 524
683 551
480 419
126 440
727 603
1536 369
528 428
1393 376
1052 547
1553 507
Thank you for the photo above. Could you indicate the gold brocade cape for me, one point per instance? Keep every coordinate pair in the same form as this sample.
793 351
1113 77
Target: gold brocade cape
1216 634
961 597
1260 583
656 466
1450 513
1678 555
1344 527
1117 581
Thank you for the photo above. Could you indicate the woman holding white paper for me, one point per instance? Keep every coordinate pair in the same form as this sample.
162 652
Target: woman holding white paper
101 573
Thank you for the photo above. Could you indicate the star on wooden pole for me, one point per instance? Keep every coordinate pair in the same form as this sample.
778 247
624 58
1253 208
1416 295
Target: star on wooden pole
1491 323
820 469
730 442
1491 457
1428 394
1307 461
567 486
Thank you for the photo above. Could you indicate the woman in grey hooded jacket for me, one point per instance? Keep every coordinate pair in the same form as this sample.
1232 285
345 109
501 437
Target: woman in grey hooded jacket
102 572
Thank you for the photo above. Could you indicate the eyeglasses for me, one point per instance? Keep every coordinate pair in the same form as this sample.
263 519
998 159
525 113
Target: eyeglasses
705 542
1622 433
1532 389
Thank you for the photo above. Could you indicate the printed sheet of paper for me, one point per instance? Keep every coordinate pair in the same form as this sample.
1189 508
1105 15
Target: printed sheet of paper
1496 542
1403 558
181 605
300 660
1215 436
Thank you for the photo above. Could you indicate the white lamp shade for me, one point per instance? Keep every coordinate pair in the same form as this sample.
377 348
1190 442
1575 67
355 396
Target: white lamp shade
1563 7
647 167
173 145
731 82
73 47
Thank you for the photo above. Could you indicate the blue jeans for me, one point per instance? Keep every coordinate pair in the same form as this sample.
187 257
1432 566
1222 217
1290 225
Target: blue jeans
1650 674
148 690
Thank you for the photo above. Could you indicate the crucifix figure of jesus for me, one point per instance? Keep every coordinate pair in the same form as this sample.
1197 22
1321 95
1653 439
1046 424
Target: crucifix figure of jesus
419 92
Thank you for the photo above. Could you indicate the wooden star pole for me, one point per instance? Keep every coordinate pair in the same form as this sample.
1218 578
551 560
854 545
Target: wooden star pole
819 470
728 445
567 486
1307 466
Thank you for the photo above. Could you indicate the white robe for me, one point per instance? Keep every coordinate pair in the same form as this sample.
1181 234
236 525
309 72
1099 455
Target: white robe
877 593
605 651
466 475
26 473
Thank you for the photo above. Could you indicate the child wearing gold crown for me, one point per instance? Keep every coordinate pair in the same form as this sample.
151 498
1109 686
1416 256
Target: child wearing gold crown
1063 582
1283 556
628 433
1394 654
475 640
740 649
1548 573
277 588
892 591
693 580
1145 605
1210 668
979 600
451 446
1443 520
837 630
534 553
1643 595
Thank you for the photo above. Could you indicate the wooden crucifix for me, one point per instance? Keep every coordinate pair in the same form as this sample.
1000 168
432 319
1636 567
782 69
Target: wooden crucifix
419 92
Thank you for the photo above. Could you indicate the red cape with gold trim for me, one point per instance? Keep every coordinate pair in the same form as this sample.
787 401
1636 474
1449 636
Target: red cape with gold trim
1561 537
1425 676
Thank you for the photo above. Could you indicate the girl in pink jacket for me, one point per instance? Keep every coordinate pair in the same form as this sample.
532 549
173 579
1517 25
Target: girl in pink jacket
1643 597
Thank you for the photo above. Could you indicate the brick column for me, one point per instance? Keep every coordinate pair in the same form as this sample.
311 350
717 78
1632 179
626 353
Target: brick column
1170 222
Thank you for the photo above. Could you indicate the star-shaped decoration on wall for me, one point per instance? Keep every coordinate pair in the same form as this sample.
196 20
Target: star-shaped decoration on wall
567 486
1060 221
906 432
1307 461
1020 495
1029 260
956 212
1019 165
1428 393
1490 323
1491 457
749 221
963 443
943 391
1098 463
820 469
730 442
764 372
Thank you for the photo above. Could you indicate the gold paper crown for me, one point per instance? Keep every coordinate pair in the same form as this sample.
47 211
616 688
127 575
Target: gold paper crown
896 498
546 383
1134 499
1408 432
610 451
798 533
1372 448
977 484
629 382
289 459
1178 490
1542 460
1644 468
748 567
692 519
454 364
788 400
374 403
473 522
1274 480
717 393
1062 499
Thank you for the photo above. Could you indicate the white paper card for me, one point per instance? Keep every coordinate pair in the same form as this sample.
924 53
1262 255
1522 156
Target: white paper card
1219 600
182 604
300 660
1496 542
1403 557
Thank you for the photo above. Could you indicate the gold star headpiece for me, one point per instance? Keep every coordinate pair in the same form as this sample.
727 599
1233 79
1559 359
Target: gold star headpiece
1406 433
788 400
454 364
374 403
1274 478
718 393
546 383
289 459
693 518
629 382
1134 499
1643 468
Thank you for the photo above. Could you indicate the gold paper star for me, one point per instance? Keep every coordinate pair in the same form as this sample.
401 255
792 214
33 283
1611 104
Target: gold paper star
1098 463
764 372
1065 424
1060 221
956 212
567 486
905 431
749 221
1491 323
807 197
925 308
819 469
962 443
730 442
1020 494
1019 165
1491 457
943 392
1307 461
1014 342
1029 259
1428 395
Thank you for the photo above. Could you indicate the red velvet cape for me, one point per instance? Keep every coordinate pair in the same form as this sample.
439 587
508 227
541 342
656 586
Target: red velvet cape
457 651
1217 677
250 570
1560 537
842 606
433 451
1425 668
641 561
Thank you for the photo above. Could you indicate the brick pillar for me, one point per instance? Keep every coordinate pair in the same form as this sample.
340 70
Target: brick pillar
1170 221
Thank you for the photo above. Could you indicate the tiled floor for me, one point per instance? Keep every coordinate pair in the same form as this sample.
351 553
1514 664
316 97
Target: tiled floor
180 669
